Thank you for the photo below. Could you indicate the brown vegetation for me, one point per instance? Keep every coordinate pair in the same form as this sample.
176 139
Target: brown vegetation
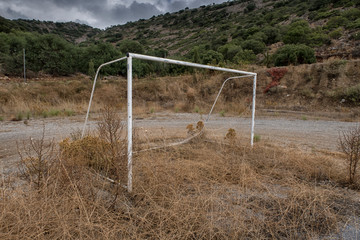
349 143
205 189
308 88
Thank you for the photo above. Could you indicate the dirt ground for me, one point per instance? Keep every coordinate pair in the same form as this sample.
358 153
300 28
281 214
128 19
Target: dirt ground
307 135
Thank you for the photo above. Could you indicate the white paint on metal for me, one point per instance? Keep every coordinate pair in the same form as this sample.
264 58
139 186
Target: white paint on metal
129 121
178 62
93 89
253 112
218 95
24 65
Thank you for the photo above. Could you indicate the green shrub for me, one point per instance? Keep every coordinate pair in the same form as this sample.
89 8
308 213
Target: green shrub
126 46
229 51
254 45
19 116
294 54
336 22
336 34
222 113
211 57
69 113
297 33
250 7
318 38
257 138
245 57
354 24
272 34
351 95
351 14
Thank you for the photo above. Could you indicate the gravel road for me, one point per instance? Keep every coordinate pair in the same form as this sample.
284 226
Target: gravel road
305 134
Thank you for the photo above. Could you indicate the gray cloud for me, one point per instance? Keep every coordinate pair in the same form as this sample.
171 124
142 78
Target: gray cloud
96 13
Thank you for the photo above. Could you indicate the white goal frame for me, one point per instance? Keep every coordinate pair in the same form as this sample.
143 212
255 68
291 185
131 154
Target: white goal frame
129 57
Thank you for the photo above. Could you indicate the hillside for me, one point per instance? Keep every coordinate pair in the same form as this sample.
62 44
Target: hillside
71 31
332 27
233 34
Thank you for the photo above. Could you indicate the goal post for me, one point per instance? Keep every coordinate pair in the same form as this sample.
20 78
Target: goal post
129 57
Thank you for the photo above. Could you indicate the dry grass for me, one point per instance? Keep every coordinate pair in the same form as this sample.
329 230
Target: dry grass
201 190
309 88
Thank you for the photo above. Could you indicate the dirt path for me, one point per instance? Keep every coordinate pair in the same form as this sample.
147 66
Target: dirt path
305 134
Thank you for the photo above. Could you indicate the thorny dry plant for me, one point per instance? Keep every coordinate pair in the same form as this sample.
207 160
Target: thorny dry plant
36 159
349 143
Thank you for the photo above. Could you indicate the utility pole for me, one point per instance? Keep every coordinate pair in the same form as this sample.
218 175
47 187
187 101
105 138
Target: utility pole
24 65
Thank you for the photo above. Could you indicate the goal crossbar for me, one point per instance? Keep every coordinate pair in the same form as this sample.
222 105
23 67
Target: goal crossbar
129 57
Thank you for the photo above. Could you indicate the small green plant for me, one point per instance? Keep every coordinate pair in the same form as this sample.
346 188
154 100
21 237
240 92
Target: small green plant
1 118
54 112
50 113
304 118
177 110
196 109
44 114
28 115
257 138
19 116
152 110
69 113
222 113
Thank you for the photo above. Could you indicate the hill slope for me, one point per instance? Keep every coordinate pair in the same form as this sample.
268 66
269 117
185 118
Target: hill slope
264 32
332 25
71 31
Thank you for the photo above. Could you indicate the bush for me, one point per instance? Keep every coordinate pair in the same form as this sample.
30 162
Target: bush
349 143
294 54
212 57
351 95
250 7
272 34
245 57
297 33
254 45
336 34
318 38
336 22
351 14
131 46
229 51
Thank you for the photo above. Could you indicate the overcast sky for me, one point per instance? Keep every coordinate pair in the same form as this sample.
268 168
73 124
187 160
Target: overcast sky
96 13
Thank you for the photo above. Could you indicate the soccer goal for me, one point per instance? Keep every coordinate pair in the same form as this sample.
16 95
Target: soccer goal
129 58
